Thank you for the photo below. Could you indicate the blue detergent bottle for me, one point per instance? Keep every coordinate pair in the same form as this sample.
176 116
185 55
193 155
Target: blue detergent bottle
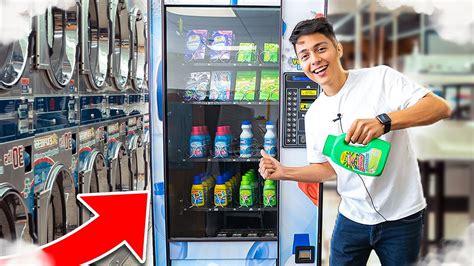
221 148
196 143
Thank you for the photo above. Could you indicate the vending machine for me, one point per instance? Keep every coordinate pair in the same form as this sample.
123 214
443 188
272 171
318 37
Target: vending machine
225 84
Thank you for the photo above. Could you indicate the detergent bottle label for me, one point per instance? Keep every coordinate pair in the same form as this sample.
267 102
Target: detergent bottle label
269 198
221 149
269 145
366 162
197 197
246 198
245 147
220 197
197 149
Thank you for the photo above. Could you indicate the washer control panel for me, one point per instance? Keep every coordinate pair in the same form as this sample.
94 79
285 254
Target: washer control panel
299 93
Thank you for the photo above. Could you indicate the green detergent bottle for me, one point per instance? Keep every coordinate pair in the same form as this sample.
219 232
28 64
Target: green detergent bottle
365 160
246 195
269 194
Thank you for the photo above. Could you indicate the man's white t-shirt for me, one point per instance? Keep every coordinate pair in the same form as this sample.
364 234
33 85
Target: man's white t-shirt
368 92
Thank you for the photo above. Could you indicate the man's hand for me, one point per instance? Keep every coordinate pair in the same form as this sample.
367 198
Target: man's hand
362 131
269 167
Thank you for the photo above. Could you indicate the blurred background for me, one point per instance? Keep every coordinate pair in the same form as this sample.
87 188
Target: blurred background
432 42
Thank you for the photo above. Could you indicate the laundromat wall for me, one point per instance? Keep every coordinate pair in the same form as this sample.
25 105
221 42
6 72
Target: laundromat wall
74 115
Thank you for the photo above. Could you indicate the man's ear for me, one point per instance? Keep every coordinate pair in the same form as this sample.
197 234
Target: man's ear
340 52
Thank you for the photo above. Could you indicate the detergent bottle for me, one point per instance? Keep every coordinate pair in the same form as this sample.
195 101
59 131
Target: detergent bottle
269 194
245 194
197 192
269 140
365 160
220 192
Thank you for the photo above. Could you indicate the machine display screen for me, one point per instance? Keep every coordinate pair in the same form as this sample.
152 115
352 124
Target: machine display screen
304 105
308 93
305 254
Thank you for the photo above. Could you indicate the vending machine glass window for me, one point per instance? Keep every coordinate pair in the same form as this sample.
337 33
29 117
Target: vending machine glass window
222 105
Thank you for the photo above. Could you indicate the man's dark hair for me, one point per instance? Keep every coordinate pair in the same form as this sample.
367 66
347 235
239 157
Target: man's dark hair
311 26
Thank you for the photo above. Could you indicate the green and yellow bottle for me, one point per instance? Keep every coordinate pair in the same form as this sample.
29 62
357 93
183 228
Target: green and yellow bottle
269 194
245 194
365 160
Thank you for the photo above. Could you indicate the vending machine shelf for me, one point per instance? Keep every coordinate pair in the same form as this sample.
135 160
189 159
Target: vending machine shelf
233 65
223 160
258 103
233 237
256 208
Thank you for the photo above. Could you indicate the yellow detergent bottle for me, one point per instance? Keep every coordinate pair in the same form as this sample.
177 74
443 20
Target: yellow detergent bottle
197 192
365 160
220 192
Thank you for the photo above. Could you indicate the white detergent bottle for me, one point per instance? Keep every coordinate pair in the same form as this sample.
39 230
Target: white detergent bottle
246 139
269 140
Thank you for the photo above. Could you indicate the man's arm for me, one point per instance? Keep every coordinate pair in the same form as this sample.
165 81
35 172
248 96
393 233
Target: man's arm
270 168
427 110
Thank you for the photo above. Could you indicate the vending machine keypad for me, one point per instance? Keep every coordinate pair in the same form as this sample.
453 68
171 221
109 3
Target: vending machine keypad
299 93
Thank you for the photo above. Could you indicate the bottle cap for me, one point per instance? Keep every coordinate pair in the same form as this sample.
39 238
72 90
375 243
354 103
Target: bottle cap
195 130
244 182
220 180
328 145
269 123
197 180
246 122
269 182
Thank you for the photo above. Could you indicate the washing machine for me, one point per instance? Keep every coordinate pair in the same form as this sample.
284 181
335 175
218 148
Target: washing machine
55 153
136 102
16 142
94 38
118 88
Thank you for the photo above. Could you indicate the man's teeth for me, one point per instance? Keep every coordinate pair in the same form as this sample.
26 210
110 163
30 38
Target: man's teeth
317 71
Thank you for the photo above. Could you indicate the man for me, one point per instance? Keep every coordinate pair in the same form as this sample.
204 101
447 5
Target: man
382 213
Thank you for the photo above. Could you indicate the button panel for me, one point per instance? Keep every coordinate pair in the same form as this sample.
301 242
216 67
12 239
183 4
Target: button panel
300 93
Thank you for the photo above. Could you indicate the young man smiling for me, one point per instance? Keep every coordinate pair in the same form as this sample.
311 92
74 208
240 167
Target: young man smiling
382 213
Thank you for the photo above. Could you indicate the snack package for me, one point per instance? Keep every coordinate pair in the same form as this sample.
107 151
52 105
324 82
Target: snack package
247 52
220 86
195 45
269 85
270 52
245 83
220 46
197 86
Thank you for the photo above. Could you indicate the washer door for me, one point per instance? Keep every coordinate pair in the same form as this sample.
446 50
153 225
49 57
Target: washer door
137 22
121 56
94 42
14 219
57 33
13 58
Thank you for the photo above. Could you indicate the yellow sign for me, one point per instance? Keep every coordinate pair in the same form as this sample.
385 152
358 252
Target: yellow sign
304 106
309 92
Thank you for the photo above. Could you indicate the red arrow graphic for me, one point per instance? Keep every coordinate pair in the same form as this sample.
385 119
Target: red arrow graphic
119 218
